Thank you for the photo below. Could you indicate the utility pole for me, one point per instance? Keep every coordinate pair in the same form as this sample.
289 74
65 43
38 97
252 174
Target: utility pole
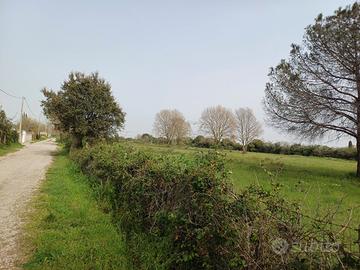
38 129
21 118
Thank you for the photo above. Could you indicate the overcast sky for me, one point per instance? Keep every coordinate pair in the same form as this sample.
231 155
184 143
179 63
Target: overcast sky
179 54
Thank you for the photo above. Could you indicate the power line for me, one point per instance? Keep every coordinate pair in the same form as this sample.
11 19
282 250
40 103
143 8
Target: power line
10 95
27 105
26 102
13 96
13 118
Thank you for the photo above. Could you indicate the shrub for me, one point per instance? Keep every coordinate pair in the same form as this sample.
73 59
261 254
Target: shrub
13 136
174 201
230 145
180 212
201 141
8 133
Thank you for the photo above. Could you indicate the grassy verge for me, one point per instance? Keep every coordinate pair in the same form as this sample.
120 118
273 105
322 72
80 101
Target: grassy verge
5 149
67 230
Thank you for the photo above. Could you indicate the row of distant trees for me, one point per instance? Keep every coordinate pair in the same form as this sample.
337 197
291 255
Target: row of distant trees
260 146
217 122
8 133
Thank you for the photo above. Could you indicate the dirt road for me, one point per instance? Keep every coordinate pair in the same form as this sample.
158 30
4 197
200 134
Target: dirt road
20 174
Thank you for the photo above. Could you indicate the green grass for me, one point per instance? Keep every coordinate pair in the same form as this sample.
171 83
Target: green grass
319 185
6 149
67 230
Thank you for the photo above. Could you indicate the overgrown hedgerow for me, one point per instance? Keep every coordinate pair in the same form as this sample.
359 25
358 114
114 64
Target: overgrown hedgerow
179 212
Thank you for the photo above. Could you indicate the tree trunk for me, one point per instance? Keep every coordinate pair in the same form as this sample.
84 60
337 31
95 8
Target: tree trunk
244 150
358 121
76 142
358 157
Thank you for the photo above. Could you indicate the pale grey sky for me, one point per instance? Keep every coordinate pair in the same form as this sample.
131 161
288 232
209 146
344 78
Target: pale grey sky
186 55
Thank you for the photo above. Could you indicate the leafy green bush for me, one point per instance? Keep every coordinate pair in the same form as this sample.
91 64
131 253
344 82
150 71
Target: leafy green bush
179 212
201 141
178 202
8 133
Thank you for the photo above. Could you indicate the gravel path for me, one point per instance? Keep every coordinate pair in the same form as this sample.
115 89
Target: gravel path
20 174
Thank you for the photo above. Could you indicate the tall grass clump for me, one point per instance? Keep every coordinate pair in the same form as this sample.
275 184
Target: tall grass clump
179 212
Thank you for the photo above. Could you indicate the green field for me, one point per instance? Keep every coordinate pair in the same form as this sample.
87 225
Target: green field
67 229
320 185
6 149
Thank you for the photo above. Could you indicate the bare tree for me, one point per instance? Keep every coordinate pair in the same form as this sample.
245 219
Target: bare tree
317 90
171 125
182 128
248 127
218 122
162 125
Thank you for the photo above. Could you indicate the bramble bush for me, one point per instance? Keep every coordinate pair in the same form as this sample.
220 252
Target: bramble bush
180 212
